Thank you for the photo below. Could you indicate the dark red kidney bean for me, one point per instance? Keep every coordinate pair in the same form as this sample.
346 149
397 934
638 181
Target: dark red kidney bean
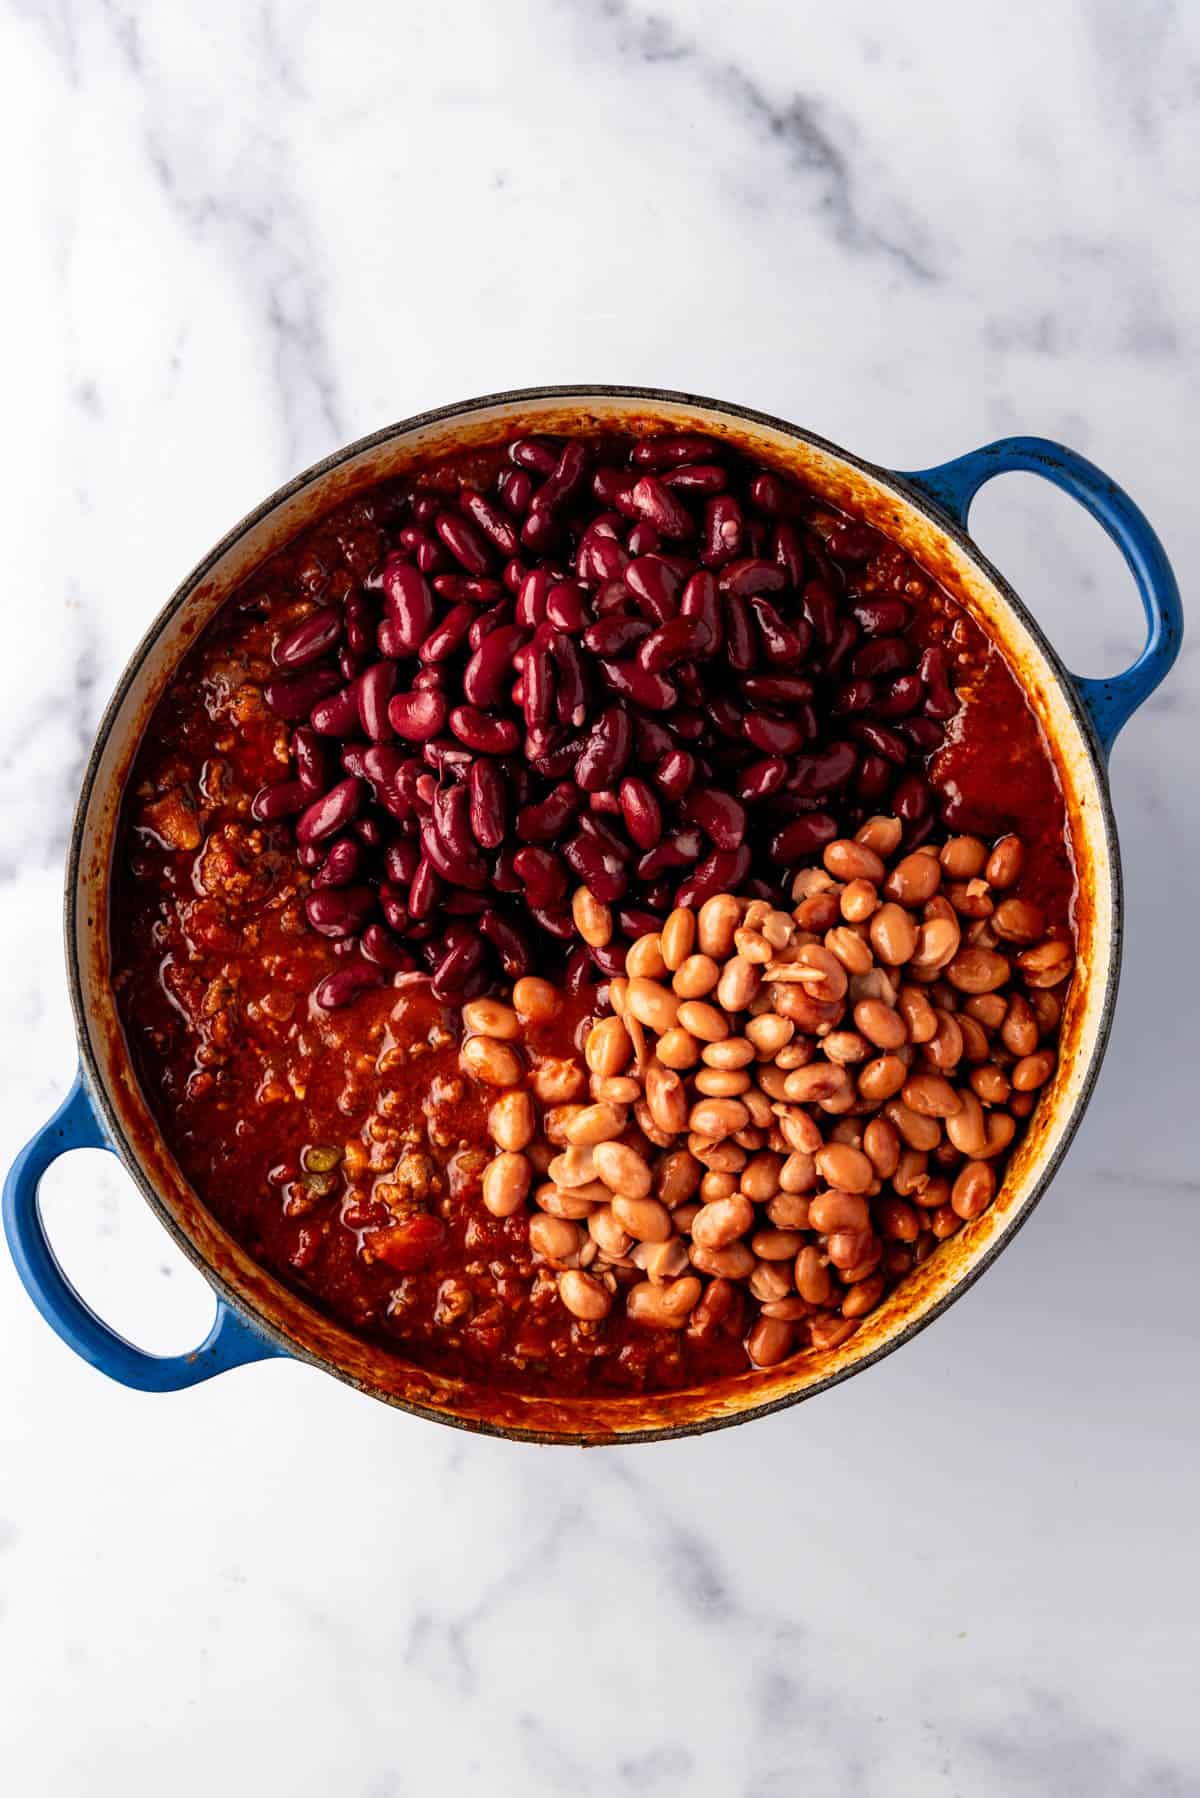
400 860
425 507
925 733
653 582
777 689
449 635
430 680
489 521
360 626
941 701
349 665
467 545
537 681
504 876
343 864
606 801
758 780
720 816
336 716
458 904
678 640
882 656
820 609
851 542
486 622
489 804
610 483
600 870
613 636
873 779
408 601
339 911
611 959
540 454
911 798
426 551
774 735
510 943
653 691
380 764
283 800
334 809
601 559
393 906
741 646
369 829
417 716
788 550
540 531
723 531
676 851
308 641
424 890
687 679
670 451
545 821
634 921
345 985
882 739
752 574
566 477
570 695
825 771
566 609
660 897
674 773
642 539
490 668
607 838
483 731
656 503
293 697
701 600
768 493
785 644
554 756
533 596
641 812
803 837
653 740
697 477
721 872
577 975
454 969
374 689
542 875
459 587
689 726
309 855
558 924
514 575
881 616
515 487
853 696
845 636
902 697
378 945
466 870
311 759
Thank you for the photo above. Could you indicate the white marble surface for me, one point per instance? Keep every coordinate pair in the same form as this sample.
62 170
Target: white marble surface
236 237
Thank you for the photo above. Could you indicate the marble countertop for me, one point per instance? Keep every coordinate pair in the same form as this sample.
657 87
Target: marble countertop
237 237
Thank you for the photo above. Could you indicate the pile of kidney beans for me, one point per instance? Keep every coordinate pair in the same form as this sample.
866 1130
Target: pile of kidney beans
639 667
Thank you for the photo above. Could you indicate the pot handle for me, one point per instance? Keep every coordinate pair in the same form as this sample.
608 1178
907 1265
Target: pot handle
953 485
230 1343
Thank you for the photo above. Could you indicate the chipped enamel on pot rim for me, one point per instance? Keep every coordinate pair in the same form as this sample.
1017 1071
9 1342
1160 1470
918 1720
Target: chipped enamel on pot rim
880 497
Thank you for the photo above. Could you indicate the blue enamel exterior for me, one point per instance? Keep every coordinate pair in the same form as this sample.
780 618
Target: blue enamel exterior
232 1342
953 485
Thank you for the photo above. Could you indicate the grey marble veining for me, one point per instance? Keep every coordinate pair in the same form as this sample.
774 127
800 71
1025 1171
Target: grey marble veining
237 237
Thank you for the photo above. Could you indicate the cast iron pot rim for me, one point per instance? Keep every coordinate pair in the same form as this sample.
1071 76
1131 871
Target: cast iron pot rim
912 496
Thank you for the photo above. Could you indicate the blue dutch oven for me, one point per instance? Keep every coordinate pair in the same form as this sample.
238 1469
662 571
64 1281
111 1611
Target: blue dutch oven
926 512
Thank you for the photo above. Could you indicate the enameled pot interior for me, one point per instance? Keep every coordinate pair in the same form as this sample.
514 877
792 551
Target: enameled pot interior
872 494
